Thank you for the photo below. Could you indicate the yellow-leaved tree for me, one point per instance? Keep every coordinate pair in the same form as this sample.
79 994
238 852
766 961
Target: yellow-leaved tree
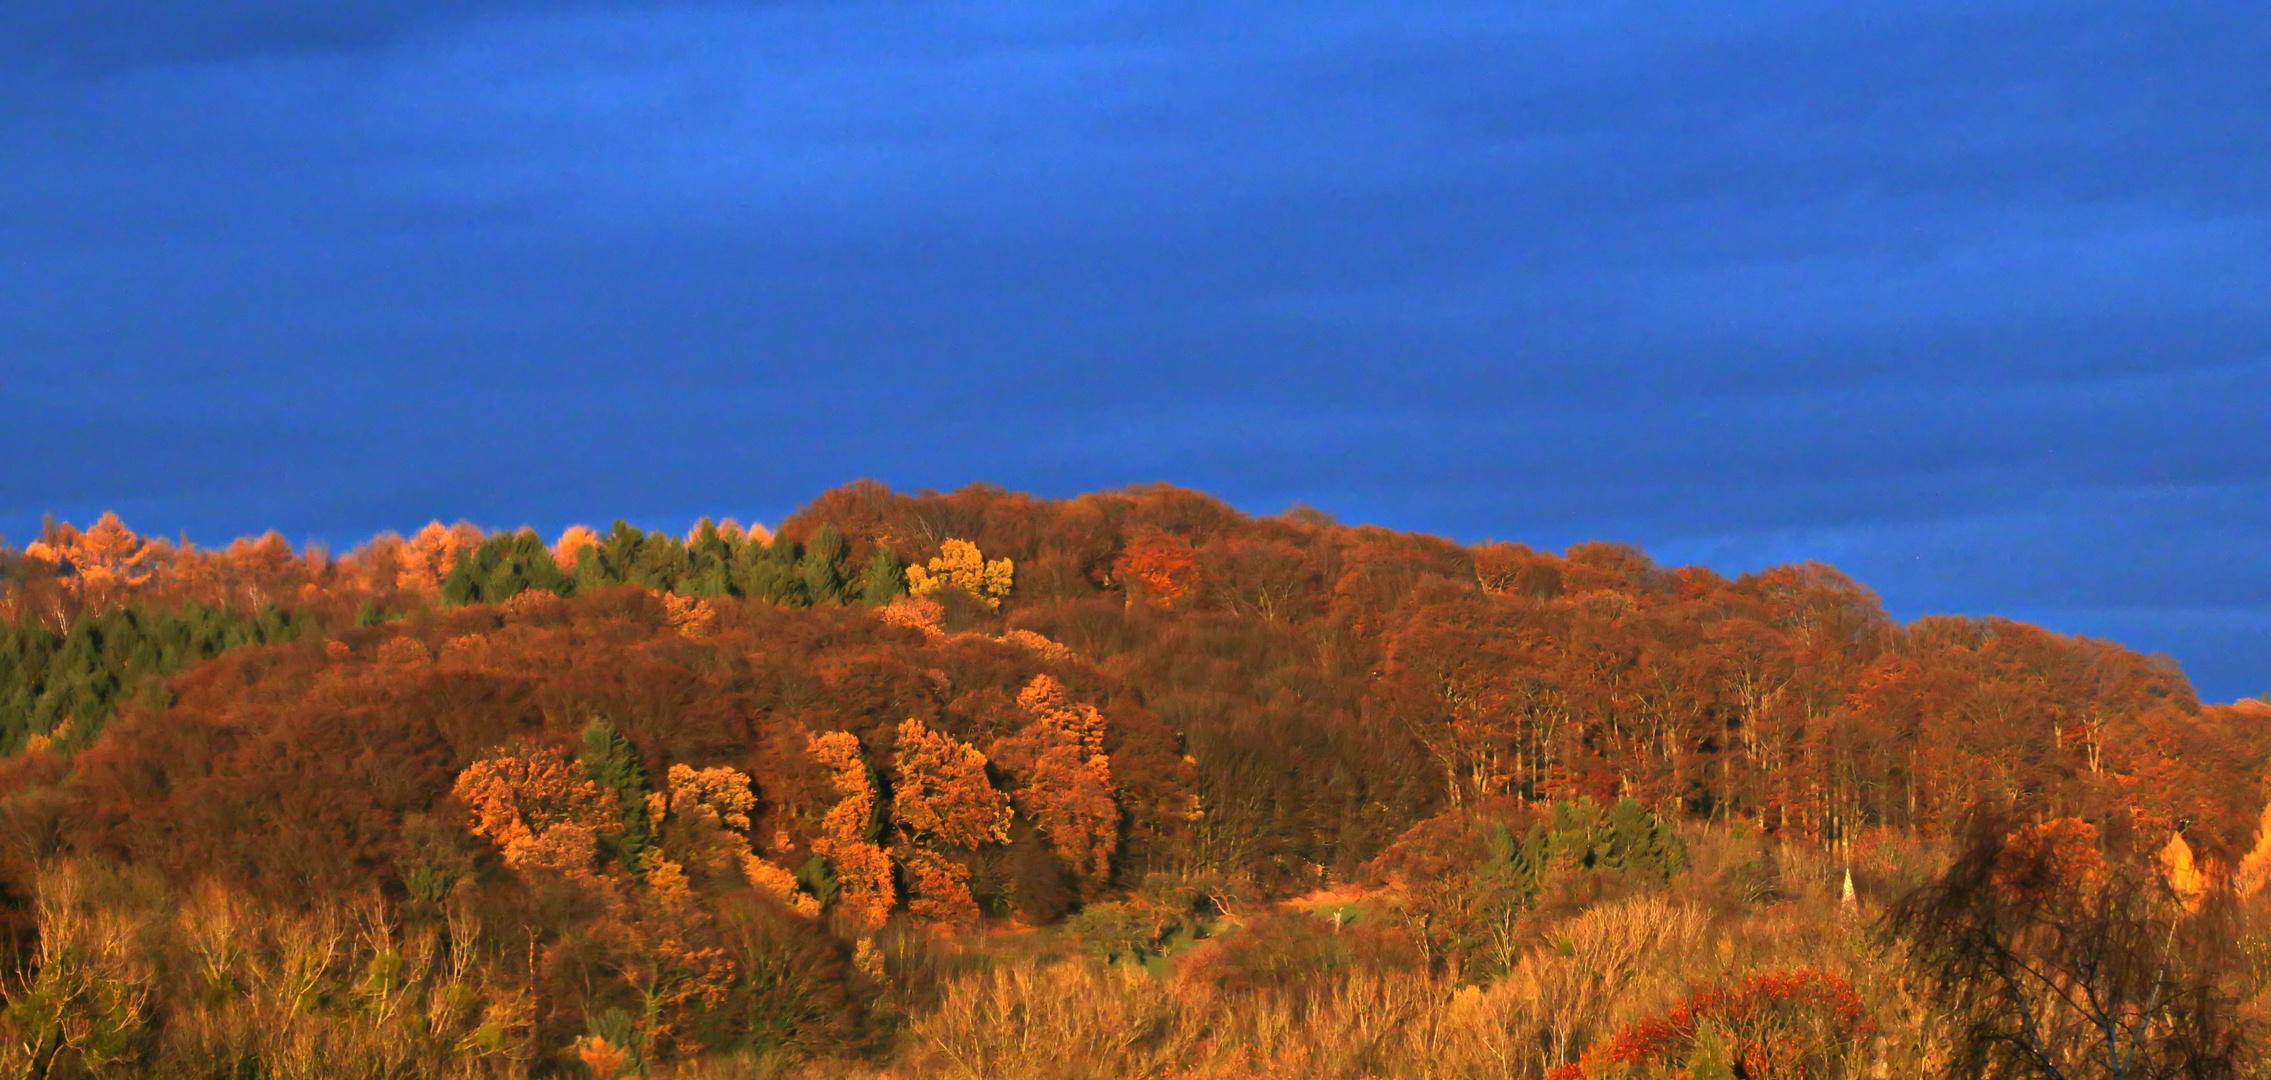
2181 871
2254 871
960 565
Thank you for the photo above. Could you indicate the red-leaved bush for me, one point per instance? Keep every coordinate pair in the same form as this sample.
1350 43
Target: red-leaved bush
1801 1024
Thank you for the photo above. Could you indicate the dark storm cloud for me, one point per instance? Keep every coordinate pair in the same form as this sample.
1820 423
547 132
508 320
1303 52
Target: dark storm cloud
1965 298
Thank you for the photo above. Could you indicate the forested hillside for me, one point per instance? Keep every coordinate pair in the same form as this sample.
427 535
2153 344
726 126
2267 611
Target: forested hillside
628 801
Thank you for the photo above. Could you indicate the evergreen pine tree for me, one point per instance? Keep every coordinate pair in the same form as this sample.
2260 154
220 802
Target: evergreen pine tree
613 763
1639 840
884 579
609 562
504 566
47 679
768 572
818 880
822 566
662 564
709 562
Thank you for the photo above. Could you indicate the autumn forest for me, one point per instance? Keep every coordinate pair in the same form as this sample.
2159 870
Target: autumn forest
980 784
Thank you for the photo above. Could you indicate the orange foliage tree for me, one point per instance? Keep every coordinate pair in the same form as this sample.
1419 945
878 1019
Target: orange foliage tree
427 558
1159 567
705 816
539 809
690 616
846 840
941 797
940 792
570 547
109 559
265 571
916 613
1063 778
2254 870
2039 859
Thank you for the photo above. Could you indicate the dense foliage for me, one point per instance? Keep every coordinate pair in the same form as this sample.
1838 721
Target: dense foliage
65 684
671 796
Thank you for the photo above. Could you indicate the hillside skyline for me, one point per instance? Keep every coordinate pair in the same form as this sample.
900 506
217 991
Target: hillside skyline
1964 299
344 542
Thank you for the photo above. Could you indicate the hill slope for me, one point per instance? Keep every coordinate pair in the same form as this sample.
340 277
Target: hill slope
626 747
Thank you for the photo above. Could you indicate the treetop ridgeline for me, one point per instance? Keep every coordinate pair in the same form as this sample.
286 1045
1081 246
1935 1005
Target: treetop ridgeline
678 763
1413 672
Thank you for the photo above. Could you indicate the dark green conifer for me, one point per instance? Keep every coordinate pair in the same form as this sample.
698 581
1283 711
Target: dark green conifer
769 572
662 564
610 561
613 763
81 677
1636 839
709 562
822 566
504 566
884 579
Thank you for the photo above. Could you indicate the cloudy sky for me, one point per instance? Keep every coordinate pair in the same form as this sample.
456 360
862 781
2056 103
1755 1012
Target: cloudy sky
1968 298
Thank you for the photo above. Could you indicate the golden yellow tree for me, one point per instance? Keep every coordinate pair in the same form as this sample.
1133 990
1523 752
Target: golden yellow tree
1049 703
960 565
720 794
691 616
2182 871
2254 870
1042 645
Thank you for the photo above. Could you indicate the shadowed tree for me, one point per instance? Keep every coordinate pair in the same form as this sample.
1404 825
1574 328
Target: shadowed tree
2046 959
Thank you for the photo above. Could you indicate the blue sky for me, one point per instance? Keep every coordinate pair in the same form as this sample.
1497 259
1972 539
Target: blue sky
1966 298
